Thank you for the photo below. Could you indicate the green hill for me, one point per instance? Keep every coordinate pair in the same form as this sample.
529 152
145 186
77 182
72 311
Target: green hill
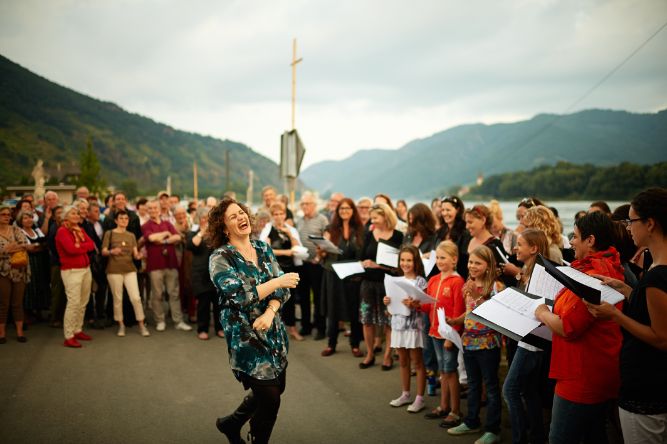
40 119
424 168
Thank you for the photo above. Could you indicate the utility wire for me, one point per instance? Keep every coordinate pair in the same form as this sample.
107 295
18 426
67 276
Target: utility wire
593 88
613 71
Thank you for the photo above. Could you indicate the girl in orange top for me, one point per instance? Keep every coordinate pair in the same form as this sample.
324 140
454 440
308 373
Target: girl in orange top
446 287
585 350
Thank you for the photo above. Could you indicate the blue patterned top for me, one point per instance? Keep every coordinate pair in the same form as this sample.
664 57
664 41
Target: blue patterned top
261 355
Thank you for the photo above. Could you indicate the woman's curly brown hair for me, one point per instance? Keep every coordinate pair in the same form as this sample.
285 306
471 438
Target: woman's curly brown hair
216 222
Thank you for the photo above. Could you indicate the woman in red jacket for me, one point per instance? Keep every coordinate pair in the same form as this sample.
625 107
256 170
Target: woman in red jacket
585 352
73 245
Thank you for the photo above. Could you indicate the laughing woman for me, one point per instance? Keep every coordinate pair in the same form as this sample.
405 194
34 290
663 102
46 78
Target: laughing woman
251 289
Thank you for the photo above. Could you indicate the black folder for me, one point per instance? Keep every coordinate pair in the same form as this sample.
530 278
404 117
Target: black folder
583 291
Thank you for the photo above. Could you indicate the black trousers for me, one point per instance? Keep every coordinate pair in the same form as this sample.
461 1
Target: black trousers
352 300
265 400
204 302
311 280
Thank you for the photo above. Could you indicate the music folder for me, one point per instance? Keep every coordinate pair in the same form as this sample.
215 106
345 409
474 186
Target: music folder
582 290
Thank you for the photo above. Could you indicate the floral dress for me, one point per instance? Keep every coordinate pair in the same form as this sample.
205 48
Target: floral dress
477 336
260 355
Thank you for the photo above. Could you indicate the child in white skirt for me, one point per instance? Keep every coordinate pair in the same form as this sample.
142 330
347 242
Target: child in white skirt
406 332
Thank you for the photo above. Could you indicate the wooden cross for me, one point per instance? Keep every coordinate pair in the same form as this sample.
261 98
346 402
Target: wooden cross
293 64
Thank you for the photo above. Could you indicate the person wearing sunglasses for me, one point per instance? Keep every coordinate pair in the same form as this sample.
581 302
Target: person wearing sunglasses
525 204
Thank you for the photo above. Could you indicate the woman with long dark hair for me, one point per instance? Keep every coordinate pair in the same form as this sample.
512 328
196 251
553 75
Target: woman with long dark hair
453 228
340 298
251 290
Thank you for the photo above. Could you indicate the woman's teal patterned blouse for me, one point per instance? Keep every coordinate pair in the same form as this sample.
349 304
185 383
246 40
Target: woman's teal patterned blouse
261 355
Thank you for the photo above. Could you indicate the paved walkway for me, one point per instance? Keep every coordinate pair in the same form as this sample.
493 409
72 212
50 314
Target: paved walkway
170 387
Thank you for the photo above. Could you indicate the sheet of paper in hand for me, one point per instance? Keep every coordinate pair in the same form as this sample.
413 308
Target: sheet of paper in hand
510 312
345 269
396 295
446 331
325 244
429 263
387 255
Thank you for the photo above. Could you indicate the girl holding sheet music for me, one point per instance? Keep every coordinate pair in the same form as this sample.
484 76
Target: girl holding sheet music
585 350
447 289
524 378
481 348
406 331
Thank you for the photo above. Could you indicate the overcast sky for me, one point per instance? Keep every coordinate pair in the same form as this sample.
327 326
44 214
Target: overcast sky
375 74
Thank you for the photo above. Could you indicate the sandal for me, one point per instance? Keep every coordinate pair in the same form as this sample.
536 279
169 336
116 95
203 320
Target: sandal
437 413
452 420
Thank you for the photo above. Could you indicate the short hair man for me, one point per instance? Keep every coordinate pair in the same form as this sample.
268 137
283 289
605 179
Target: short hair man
162 266
312 223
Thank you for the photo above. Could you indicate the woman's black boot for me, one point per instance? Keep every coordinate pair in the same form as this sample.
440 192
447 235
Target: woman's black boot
231 425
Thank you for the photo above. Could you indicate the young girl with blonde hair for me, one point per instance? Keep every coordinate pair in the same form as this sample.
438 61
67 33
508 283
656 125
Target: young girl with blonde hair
481 348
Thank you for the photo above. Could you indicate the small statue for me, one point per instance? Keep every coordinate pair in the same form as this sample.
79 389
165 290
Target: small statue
38 175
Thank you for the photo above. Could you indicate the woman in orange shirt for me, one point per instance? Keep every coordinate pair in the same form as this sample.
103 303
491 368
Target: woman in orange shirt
585 350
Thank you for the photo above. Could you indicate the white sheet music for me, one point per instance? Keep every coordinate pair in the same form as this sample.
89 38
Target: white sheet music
345 269
429 263
387 255
608 294
415 293
543 284
506 318
446 331
326 245
396 295
518 302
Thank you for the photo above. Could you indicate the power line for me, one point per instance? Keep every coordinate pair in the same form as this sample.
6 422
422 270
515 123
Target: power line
593 88
613 71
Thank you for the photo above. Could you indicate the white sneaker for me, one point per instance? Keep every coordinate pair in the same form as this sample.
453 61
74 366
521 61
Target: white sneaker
144 331
416 406
183 326
402 400
161 326
121 331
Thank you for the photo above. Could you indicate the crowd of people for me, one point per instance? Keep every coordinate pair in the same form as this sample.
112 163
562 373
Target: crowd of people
91 265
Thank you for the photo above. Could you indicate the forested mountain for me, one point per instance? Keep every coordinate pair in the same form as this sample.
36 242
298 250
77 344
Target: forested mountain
40 119
424 168
576 182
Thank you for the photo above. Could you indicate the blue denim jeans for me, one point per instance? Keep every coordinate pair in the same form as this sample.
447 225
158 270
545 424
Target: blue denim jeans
483 365
572 422
523 381
430 361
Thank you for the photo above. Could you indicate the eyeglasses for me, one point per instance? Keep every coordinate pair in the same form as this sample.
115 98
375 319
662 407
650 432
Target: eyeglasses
628 222
364 207
344 208
6 214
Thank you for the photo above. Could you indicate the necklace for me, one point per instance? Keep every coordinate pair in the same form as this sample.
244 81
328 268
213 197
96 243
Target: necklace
248 253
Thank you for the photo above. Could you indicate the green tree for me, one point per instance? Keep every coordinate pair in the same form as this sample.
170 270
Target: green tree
90 170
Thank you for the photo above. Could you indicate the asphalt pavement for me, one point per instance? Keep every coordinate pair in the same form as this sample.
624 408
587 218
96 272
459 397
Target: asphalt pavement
170 388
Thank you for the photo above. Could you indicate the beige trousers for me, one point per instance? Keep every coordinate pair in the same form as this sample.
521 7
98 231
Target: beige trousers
116 282
161 279
77 283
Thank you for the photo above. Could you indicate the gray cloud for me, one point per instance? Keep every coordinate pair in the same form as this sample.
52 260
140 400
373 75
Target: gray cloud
375 73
